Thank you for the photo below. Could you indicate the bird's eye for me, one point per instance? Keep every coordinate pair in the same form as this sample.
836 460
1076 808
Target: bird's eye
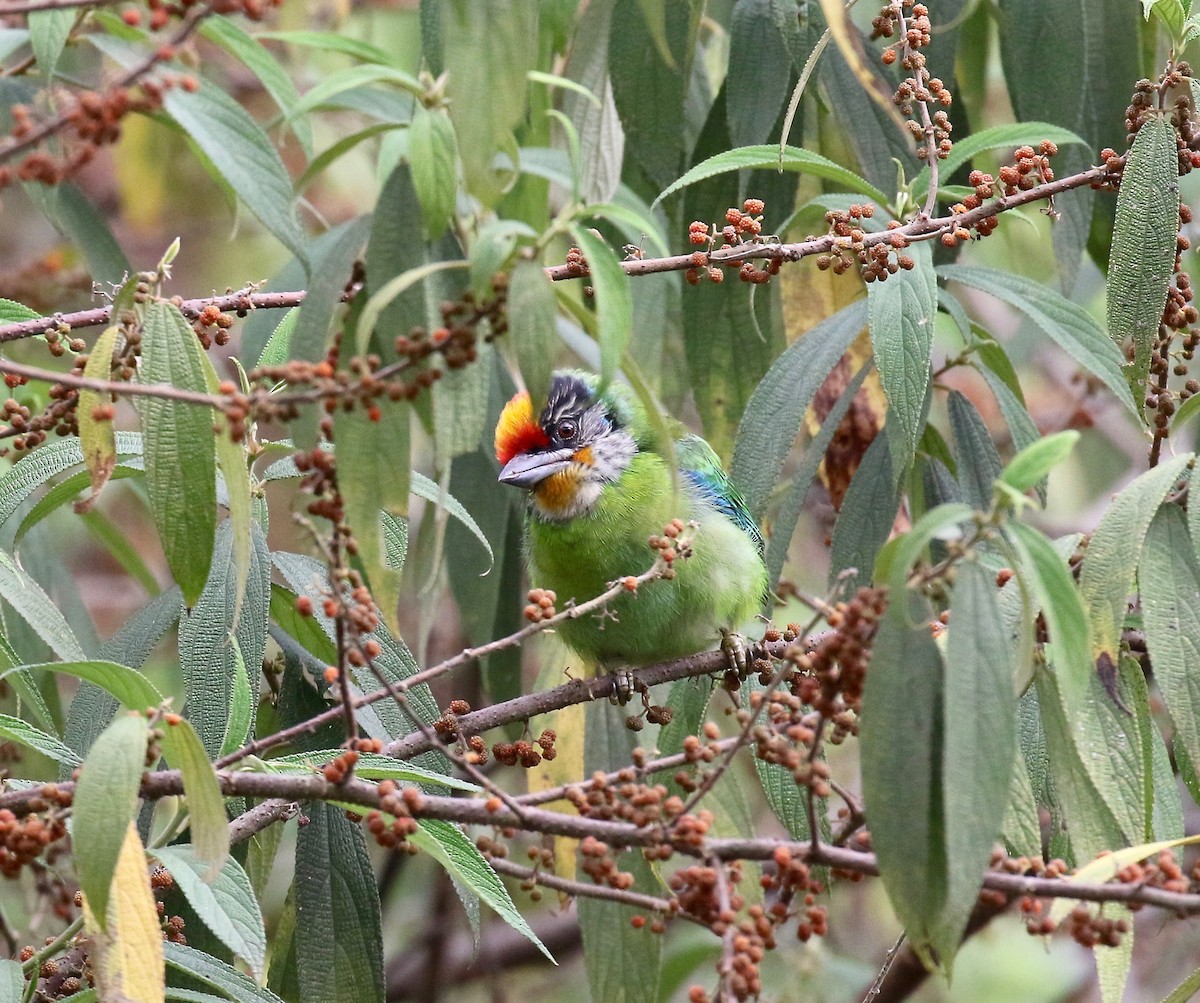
566 430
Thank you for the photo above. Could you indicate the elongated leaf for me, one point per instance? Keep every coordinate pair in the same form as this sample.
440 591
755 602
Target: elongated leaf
614 301
902 759
32 471
32 605
648 48
975 454
758 46
96 436
866 517
370 766
242 704
899 556
979 742
67 490
127 942
1170 584
532 312
206 653
206 807
181 473
611 947
1085 88
772 418
224 901
1106 577
902 313
12 981
1143 246
339 941
13 729
330 41
227 980
433 153
105 801
48 34
489 48
1037 459
461 858
794 159
74 215
251 53
1064 322
1050 580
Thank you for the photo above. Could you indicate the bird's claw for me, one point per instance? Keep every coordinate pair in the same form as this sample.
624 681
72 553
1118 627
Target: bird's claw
737 652
623 688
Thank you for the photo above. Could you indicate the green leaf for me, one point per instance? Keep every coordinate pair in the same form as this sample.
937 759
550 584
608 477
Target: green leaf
12 312
102 528
73 214
224 902
975 455
32 605
612 949
902 312
448 845
1050 580
1107 574
351 79
370 766
126 684
215 973
866 517
373 476
1036 460
1064 322
433 154
773 415
1169 575
207 655
106 798
48 33
614 301
13 729
32 471
489 49
331 266
794 159
531 318
902 757
12 981
278 348
181 474
899 556
1143 244
648 48
330 41
251 53
242 705
758 48
979 743
206 806
242 154
338 934
1185 990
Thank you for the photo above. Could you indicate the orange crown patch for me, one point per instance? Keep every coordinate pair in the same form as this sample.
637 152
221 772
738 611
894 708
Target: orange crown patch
516 431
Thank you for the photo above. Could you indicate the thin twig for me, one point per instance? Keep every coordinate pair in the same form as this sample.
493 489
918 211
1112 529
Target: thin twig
888 960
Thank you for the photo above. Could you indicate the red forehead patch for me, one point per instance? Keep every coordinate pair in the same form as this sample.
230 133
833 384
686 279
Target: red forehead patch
516 431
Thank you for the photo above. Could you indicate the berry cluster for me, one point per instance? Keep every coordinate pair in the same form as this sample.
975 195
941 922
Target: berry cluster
541 605
26 838
670 546
742 226
876 260
932 133
524 752
400 805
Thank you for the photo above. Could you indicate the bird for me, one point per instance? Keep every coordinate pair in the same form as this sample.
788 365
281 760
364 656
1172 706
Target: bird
598 489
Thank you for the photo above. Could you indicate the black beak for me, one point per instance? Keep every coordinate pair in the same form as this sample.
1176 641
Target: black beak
527 470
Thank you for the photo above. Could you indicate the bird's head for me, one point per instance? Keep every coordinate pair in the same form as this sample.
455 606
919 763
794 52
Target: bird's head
582 441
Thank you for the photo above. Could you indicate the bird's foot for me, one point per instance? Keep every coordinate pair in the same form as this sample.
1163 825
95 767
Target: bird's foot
623 688
737 652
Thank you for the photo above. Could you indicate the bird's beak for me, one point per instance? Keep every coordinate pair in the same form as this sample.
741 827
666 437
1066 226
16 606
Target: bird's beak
527 470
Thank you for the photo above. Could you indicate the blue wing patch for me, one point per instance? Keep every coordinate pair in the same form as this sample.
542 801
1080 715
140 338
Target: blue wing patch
702 471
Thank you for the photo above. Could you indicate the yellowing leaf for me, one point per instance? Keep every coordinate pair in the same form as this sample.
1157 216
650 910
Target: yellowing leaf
96 437
127 956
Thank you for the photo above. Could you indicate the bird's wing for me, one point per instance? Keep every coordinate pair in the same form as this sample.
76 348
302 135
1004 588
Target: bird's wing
703 473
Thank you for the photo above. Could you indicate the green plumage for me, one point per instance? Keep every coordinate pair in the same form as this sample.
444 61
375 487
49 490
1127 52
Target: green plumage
720 587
